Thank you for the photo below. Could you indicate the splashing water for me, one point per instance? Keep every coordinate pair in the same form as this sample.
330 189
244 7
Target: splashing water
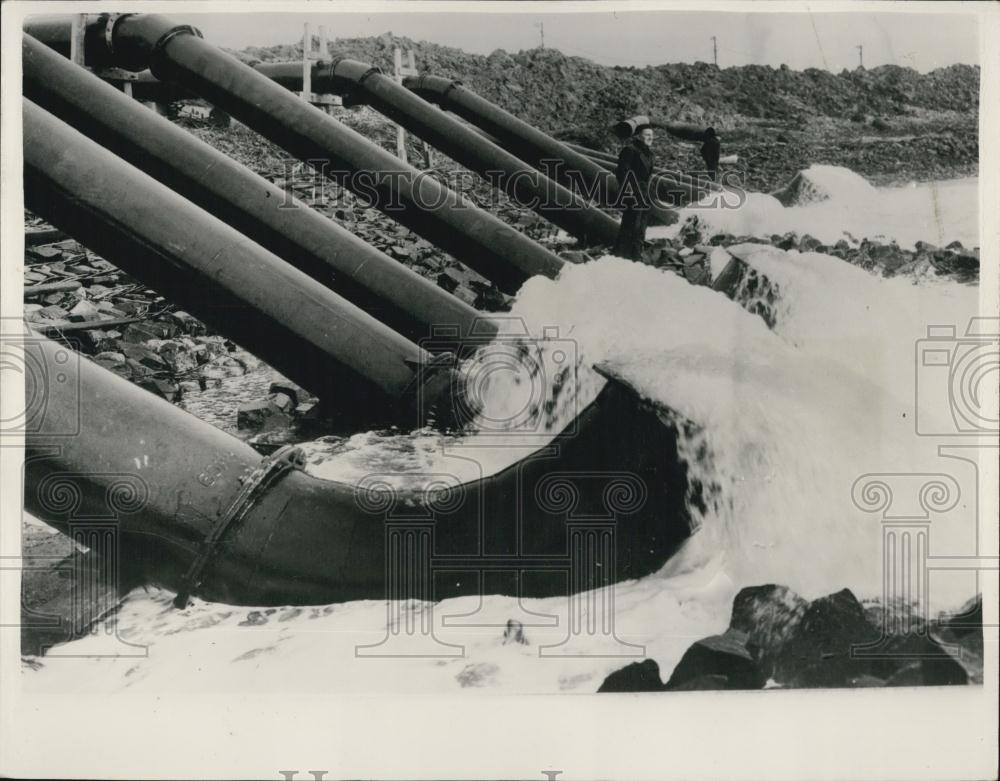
787 418
833 203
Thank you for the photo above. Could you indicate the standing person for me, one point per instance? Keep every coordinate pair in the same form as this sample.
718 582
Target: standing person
710 150
635 166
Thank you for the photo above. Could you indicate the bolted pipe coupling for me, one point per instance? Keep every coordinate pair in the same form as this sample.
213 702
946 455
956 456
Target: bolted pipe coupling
432 88
137 40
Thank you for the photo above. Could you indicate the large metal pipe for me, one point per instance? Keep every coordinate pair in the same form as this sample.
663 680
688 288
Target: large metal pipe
384 288
277 536
177 53
538 149
291 321
524 184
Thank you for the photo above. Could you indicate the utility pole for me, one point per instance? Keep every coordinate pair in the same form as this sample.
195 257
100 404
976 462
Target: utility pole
861 55
541 28
715 51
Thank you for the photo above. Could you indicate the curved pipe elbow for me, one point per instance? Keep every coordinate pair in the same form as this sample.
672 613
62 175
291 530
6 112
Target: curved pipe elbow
137 40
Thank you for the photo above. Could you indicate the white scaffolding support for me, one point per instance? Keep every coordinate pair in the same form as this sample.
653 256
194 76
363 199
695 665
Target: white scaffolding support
398 72
311 54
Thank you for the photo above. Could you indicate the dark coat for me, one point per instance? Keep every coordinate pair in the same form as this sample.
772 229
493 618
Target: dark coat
710 152
637 158
635 167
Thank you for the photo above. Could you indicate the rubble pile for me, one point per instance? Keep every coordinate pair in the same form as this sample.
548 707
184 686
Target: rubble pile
892 123
888 259
317 191
72 295
777 639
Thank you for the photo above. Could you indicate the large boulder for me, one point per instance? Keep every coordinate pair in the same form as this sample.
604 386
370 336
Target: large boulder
641 676
724 656
818 653
769 615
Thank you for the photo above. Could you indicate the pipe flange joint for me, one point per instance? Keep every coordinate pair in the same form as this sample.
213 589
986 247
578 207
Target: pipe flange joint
268 472
370 71
167 37
109 30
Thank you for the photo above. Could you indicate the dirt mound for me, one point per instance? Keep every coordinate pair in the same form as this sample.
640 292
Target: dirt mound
560 93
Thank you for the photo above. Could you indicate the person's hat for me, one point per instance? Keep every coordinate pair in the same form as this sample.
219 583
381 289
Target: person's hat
710 132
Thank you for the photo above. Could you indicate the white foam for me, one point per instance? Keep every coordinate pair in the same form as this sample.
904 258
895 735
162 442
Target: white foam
787 420
836 203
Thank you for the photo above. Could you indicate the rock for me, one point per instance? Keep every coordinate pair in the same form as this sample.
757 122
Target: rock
575 256
917 660
283 402
968 621
96 340
514 633
447 281
703 683
786 242
252 414
809 243
965 267
261 416
45 251
698 274
720 655
489 298
148 329
84 311
53 312
961 637
818 653
164 388
769 615
641 676
290 389
254 618
107 308
136 369
177 356
144 355
187 323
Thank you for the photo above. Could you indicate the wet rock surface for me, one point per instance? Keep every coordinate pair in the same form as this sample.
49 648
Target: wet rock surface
777 639
641 676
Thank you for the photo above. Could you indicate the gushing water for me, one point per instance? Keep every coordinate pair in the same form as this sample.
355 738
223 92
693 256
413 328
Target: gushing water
786 417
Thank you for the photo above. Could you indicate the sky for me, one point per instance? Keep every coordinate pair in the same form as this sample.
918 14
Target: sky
923 41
